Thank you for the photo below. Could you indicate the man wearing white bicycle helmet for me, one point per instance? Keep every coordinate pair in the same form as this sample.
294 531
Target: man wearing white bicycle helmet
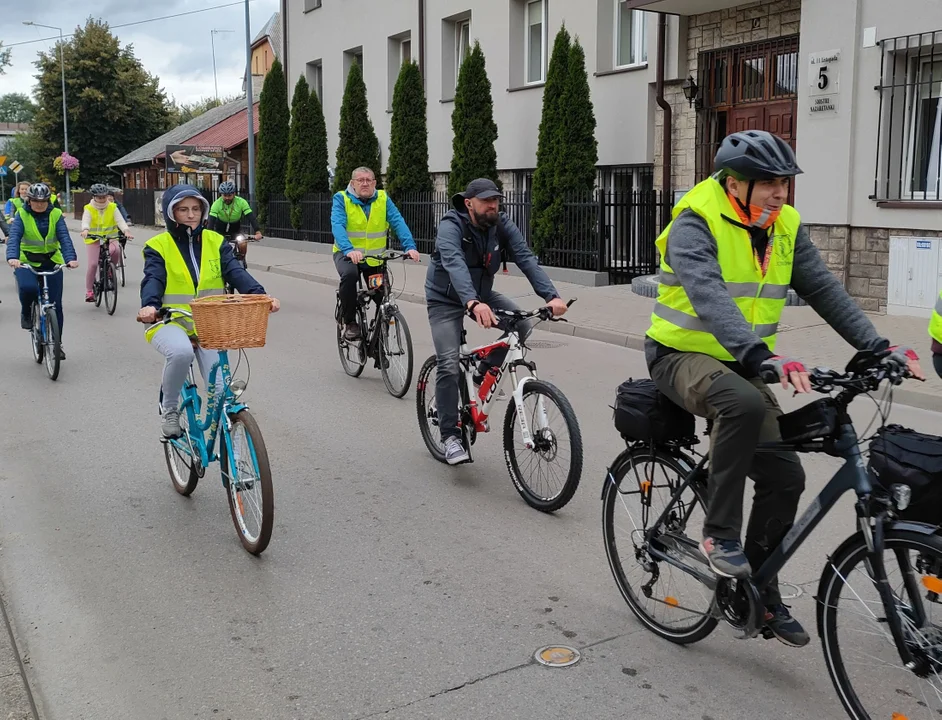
728 258
39 238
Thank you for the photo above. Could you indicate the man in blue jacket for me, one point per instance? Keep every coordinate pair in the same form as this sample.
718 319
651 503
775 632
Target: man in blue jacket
460 281
39 238
360 218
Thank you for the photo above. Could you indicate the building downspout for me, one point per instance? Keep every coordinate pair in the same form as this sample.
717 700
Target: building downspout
422 40
666 151
284 42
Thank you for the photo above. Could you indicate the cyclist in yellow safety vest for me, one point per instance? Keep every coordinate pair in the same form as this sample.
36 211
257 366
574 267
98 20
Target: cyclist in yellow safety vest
39 238
935 332
727 260
101 217
181 264
360 217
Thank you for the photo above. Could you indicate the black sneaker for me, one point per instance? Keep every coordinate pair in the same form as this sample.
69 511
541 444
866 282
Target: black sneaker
26 323
726 557
780 624
351 331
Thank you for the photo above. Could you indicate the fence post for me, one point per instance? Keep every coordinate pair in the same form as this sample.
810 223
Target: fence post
600 254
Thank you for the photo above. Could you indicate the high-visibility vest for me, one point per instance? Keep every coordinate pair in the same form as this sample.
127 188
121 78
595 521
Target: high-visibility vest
179 291
230 212
103 223
18 204
935 324
33 241
759 297
366 234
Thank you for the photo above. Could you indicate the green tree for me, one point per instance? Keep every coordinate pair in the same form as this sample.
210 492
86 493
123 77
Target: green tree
185 112
4 59
272 139
114 105
473 126
300 177
16 108
358 145
547 200
578 166
320 157
407 170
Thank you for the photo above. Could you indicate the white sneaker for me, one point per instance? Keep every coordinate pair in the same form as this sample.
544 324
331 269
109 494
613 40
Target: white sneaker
455 454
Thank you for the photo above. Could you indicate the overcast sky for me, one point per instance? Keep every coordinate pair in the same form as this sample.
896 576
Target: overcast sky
177 50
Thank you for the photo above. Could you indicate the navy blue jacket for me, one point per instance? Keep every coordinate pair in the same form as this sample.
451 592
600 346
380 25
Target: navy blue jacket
189 243
42 224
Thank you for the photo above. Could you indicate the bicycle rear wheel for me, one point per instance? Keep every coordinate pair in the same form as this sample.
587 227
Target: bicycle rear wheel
181 459
250 492
668 601
52 343
859 651
427 409
121 266
110 289
395 353
36 334
352 354
542 485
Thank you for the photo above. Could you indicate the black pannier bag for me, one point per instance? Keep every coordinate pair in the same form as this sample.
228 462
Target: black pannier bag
813 421
642 412
899 455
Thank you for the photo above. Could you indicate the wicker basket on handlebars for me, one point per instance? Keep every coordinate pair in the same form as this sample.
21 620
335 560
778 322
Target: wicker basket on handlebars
231 322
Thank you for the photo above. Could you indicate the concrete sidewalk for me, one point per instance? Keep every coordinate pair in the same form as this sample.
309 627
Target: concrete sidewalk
614 314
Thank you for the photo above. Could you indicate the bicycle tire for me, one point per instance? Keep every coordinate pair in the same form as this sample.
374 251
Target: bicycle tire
343 347
36 334
99 285
121 268
53 344
110 289
263 478
396 319
833 578
571 484
641 456
422 388
184 486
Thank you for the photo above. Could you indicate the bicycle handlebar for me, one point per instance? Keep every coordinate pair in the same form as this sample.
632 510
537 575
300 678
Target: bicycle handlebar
864 373
544 313
384 255
57 269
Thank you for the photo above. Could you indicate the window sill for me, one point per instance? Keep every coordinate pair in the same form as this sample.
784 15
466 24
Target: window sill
447 100
528 86
910 204
619 70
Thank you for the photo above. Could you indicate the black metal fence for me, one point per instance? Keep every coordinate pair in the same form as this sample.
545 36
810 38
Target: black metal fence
604 231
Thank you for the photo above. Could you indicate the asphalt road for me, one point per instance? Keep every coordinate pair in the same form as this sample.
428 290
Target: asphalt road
393 587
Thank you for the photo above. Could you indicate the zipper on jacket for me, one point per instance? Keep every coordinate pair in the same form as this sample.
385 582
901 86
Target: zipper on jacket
196 266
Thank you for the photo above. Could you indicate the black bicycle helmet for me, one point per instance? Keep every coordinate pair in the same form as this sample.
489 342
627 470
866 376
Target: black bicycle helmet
99 190
227 188
755 155
38 191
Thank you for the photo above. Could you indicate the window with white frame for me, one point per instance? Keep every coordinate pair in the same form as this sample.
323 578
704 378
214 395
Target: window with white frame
924 149
535 41
631 41
462 45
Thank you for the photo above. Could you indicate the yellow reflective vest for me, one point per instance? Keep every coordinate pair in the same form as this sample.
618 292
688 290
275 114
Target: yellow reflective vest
366 234
760 297
102 223
33 242
935 324
179 291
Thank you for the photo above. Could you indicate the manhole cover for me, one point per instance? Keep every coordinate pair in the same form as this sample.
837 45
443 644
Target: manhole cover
544 344
557 656
790 591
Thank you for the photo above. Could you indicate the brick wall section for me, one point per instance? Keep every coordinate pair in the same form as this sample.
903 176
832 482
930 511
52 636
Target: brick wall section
868 261
709 31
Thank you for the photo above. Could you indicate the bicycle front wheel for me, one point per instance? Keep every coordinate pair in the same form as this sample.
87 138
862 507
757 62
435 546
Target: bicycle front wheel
395 354
247 477
669 602
52 342
99 285
427 409
859 651
180 456
546 475
352 356
36 334
121 267
110 289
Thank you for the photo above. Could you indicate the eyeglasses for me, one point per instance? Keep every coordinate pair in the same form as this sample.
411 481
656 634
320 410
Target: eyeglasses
369 181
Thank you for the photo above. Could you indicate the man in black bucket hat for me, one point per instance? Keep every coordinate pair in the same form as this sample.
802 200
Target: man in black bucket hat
460 280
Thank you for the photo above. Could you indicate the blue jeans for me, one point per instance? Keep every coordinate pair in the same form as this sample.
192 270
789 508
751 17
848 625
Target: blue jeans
27 285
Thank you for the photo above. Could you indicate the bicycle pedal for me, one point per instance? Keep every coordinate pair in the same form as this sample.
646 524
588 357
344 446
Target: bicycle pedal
767 634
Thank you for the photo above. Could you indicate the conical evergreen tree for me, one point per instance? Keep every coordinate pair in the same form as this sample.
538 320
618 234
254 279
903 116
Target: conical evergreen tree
578 166
547 200
407 170
320 157
272 139
358 145
300 178
473 126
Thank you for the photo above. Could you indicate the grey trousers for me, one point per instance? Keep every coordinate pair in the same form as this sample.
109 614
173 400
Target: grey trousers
174 344
744 413
446 321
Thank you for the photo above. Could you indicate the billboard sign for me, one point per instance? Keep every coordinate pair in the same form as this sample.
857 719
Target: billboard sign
195 159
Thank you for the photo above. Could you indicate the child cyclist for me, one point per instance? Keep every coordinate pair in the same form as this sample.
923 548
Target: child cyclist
101 218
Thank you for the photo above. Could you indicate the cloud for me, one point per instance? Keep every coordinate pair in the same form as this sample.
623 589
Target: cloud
176 50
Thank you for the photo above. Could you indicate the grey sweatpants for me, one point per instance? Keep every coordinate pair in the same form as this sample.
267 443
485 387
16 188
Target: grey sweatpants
174 344
744 413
